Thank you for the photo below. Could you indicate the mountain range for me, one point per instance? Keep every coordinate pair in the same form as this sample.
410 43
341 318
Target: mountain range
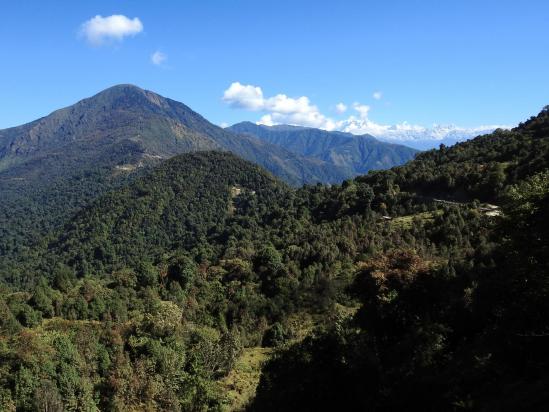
354 154
423 138
156 128
77 153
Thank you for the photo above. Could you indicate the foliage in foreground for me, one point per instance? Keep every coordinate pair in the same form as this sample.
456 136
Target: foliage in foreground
468 337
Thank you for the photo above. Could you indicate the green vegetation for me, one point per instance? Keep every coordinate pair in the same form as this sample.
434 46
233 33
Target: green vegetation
408 222
355 154
480 168
467 336
168 291
53 167
158 126
241 382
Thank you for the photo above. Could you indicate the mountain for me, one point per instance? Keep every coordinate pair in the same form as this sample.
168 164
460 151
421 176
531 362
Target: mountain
418 137
176 206
415 341
157 126
423 138
55 165
355 154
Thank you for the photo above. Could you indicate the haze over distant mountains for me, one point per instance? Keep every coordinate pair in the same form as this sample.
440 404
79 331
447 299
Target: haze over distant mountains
423 138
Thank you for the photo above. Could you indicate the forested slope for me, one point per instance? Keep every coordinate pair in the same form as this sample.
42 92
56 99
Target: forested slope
354 154
145 299
480 168
52 167
468 333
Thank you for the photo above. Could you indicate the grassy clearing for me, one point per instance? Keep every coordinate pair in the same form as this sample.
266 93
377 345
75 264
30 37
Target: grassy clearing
406 222
241 383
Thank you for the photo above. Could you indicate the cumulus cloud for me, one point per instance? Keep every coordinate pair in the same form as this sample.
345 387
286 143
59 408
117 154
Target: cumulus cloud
280 108
341 108
244 96
157 58
377 95
299 111
100 30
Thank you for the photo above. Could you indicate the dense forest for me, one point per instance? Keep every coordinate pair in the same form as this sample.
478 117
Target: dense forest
54 166
397 290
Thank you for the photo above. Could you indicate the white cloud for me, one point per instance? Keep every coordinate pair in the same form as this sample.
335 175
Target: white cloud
341 108
99 30
362 109
157 58
377 95
244 96
281 109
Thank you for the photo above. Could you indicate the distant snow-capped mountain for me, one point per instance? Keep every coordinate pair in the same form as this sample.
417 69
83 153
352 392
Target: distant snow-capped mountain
411 135
424 138
428 138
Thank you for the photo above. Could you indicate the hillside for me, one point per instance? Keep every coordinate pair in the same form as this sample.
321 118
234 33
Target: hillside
366 295
465 332
481 168
356 154
178 206
53 166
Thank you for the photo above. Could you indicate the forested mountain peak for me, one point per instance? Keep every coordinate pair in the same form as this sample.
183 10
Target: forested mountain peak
158 126
53 166
355 154
178 205
123 112
250 127
539 124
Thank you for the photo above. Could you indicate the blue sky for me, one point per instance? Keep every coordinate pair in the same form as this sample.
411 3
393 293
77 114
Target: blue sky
468 63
